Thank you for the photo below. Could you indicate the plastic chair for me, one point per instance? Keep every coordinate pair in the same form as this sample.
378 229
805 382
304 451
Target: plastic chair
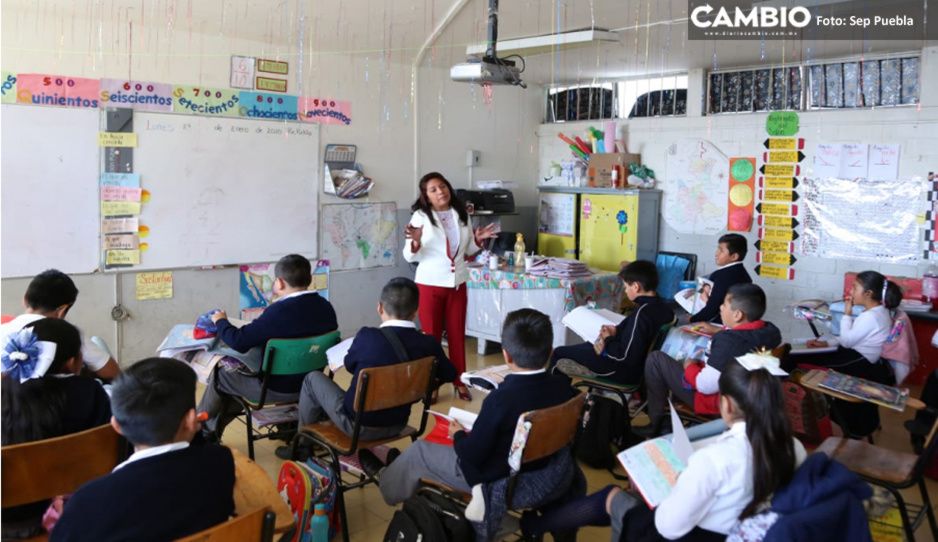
893 471
284 357
378 388
39 470
625 391
256 526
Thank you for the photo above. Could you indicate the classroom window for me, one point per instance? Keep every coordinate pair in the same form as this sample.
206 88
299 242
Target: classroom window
654 97
745 91
867 83
582 102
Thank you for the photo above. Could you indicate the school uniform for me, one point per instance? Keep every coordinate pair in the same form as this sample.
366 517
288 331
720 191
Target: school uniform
441 277
723 278
300 314
85 406
623 356
158 494
709 494
480 455
698 385
92 355
321 397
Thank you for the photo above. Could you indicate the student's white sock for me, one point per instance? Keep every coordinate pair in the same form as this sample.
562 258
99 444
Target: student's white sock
476 509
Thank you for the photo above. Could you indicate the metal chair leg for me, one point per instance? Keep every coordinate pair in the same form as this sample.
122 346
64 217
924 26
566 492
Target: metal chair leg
250 432
926 502
339 493
904 514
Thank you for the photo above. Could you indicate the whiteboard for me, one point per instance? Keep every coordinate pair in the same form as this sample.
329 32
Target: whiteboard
225 190
49 195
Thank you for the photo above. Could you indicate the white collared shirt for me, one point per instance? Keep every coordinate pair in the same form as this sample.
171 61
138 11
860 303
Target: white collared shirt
399 323
714 488
296 294
153 452
528 373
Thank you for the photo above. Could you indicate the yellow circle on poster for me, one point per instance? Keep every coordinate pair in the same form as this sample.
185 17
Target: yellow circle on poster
741 195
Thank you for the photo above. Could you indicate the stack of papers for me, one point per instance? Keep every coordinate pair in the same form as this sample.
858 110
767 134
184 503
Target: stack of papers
914 305
587 322
561 268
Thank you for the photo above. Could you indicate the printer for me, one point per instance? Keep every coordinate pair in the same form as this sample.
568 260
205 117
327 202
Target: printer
496 200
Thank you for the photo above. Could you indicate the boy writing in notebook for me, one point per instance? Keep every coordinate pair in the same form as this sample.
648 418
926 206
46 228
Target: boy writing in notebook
619 353
695 382
165 490
51 294
321 398
481 455
731 251
298 312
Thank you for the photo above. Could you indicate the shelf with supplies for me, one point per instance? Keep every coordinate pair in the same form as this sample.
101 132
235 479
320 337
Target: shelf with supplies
599 226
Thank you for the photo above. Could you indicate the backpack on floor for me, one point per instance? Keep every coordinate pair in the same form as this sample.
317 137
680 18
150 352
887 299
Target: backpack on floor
605 431
427 517
304 485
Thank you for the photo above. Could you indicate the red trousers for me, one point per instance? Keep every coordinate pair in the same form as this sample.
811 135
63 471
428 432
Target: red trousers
445 308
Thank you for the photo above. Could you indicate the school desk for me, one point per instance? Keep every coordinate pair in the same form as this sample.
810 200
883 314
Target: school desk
813 378
254 489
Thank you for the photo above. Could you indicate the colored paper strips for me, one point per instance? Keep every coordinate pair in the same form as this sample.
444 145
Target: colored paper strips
8 87
741 194
139 95
154 285
777 195
117 139
60 90
121 202
212 102
267 106
325 110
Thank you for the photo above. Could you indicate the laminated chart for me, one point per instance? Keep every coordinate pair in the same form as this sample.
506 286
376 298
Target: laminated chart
741 194
778 194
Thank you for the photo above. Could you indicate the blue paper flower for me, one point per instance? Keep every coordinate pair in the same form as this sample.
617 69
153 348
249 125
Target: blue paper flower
20 355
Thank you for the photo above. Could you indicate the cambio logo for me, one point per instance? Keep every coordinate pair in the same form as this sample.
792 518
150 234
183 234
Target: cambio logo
758 17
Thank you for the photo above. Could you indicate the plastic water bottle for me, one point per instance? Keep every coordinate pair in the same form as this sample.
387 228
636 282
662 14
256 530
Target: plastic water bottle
319 526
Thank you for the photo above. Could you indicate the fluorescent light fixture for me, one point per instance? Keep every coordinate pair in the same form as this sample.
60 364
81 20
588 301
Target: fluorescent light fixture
545 43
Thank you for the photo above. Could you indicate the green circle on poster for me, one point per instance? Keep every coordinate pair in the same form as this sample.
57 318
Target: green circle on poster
742 170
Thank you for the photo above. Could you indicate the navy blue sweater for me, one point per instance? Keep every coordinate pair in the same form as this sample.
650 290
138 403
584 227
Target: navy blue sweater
722 280
483 452
157 498
372 349
634 336
303 315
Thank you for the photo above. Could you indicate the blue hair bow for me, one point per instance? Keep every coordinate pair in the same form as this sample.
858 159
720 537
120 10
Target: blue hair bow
24 356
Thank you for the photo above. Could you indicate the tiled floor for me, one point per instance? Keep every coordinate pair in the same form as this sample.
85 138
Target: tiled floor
369 515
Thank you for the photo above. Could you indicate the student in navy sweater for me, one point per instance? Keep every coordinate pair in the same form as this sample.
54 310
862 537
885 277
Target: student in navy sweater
481 455
731 251
297 313
165 490
321 398
619 353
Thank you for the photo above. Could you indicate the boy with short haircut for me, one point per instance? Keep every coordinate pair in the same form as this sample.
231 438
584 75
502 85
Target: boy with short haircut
481 455
322 398
51 294
619 353
731 251
165 490
697 383
298 312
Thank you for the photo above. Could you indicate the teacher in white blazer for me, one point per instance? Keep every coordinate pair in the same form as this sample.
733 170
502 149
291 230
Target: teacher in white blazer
440 238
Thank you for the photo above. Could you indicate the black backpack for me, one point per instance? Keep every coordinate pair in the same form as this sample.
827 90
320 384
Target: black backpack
428 517
605 432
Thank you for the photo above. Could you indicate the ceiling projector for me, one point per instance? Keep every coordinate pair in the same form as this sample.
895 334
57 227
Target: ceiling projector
489 70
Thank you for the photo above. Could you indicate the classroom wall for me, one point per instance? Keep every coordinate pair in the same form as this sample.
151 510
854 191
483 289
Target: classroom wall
349 51
915 128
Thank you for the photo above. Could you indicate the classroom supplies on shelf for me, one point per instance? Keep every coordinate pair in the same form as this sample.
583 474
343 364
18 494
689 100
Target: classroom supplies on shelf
874 392
587 322
561 268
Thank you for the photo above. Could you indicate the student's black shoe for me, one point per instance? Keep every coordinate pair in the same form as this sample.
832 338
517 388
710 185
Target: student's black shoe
651 430
287 453
393 454
370 463
210 437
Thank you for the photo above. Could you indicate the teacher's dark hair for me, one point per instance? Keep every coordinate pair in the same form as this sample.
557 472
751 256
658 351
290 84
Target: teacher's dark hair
423 204
759 395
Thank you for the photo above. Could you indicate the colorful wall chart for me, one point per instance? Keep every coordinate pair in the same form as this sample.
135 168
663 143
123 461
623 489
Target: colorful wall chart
742 194
695 187
255 286
777 195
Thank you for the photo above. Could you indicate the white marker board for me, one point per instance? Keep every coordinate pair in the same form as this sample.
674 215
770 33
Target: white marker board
49 202
225 190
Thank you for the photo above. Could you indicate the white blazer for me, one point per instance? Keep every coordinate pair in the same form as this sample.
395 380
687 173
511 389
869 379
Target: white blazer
435 266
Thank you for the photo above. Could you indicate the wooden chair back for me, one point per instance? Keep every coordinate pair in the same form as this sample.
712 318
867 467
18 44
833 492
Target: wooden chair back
394 385
256 526
45 468
552 428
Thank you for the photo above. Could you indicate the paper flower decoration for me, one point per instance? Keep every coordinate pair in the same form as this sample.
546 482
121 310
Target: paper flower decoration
623 219
20 355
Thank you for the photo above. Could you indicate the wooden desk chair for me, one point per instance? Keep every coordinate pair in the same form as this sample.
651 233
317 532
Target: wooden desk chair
891 470
256 526
254 489
43 469
625 391
284 357
378 388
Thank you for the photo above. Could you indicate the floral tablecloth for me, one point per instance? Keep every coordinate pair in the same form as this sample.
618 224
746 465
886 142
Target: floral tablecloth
605 289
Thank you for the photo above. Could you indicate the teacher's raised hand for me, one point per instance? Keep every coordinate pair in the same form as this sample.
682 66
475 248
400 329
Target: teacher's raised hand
486 232
414 233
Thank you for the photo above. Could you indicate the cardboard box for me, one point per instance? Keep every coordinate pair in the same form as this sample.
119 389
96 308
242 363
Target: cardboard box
601 165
